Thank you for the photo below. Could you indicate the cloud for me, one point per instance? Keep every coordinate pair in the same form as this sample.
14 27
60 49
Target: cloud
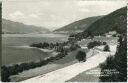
16 15
52 16
19 16
99 3
58 13
34 16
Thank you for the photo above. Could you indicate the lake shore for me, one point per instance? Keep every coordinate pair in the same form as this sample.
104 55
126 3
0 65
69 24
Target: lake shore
45 69
40 54
97 54
58 64
15 47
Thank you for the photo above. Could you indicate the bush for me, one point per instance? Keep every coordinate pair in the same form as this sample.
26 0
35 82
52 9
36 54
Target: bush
104 43
5 74
81 56
107 48
74 47
40 45
93 44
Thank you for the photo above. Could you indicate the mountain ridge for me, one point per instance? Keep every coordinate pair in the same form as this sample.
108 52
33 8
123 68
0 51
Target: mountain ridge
114 21
9 26
79 25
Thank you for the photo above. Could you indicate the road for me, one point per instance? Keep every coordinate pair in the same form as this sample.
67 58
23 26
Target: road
66 73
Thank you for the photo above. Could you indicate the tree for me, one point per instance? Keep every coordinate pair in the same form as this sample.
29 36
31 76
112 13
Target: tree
121 60
5 74
81 56
104 43
73 47
118 63
89 34
106 48
93 44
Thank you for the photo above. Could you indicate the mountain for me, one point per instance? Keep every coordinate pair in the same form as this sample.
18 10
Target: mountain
79 25
19 28
115 21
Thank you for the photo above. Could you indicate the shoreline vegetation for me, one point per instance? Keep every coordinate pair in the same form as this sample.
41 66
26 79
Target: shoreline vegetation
58 64
61 49
15 69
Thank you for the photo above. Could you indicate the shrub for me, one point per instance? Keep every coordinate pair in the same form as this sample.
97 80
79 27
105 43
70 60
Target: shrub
93 44
40 45
104 43
81 56
74 47
107 48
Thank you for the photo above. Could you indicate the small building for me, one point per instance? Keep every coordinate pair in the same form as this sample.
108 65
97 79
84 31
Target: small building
84 47
111 33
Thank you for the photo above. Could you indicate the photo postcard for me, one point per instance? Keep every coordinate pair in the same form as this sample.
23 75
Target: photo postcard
58 41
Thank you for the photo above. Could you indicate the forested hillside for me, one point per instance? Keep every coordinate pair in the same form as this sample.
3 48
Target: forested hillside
79 25
115 21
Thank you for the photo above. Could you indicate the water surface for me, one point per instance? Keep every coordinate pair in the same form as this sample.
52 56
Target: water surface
15 50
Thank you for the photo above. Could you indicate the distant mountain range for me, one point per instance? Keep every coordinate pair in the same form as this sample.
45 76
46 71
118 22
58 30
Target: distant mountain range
78 26
115 21
20 28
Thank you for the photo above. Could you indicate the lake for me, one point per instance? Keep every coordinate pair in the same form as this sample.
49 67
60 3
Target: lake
15 47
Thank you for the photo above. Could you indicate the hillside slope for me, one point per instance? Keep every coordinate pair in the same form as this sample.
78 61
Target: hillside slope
115 21
16 27
79 25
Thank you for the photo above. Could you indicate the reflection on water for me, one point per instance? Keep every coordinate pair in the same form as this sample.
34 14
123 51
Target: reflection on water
27 39
34 35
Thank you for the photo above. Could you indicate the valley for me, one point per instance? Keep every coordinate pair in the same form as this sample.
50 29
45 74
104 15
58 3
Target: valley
33 53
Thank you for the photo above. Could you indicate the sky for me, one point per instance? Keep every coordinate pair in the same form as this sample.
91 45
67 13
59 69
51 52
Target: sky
53 14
